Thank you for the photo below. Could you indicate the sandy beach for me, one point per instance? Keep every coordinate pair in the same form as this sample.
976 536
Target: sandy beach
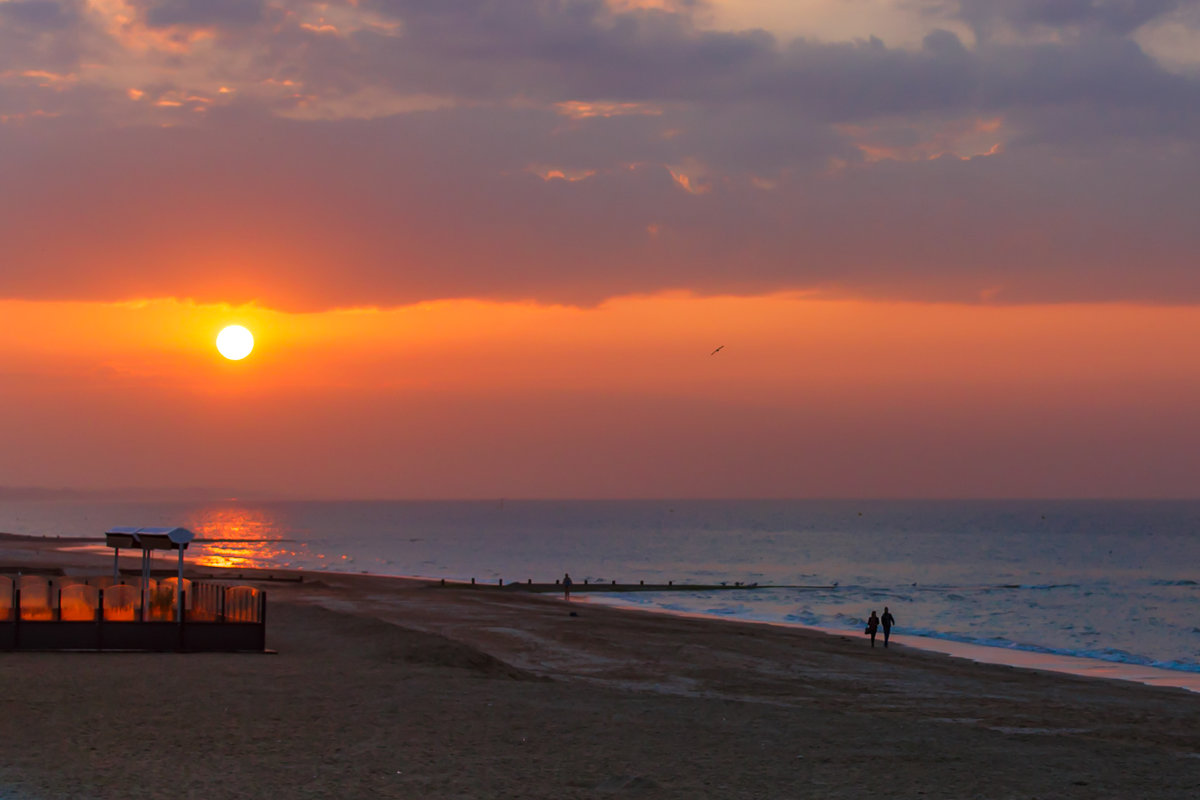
390 688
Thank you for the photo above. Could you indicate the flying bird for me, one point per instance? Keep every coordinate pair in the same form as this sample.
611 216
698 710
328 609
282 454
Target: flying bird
719 349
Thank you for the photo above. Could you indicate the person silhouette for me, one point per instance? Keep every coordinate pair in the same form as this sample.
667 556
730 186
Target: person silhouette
872 626
567 586
887 620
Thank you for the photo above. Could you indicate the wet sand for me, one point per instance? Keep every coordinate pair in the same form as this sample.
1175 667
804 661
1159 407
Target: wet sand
390 688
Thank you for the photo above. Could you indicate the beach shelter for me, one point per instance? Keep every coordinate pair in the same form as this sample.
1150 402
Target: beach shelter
148 540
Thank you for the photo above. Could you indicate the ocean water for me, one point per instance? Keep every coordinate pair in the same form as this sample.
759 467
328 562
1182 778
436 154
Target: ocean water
1113 581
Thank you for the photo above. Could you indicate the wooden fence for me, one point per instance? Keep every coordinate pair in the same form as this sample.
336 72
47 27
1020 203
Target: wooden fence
41 613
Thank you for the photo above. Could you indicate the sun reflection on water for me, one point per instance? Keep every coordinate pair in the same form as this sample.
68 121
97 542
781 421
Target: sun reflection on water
242 537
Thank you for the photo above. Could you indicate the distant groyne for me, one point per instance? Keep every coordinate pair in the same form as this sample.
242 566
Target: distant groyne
615 586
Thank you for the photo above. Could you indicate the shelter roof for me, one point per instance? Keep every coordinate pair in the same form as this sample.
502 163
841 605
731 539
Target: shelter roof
148 538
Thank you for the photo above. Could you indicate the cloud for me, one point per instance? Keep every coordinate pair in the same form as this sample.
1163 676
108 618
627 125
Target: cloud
35 14
40 34
376 153
1120 17
163 13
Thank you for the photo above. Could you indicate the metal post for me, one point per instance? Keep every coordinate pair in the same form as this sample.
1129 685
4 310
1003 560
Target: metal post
116 565
179 590
262 620
145 581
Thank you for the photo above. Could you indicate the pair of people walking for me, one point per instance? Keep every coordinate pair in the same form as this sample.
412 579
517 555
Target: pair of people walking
874 622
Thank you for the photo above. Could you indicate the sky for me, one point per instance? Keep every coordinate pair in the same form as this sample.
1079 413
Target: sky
487 249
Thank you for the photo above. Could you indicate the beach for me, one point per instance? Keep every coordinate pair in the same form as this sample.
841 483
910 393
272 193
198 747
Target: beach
382 687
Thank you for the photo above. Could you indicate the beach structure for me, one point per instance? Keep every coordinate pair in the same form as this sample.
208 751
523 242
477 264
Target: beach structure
39 612
148 540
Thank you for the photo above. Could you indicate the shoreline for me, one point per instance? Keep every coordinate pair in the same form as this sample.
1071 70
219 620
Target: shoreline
395 688
1078 666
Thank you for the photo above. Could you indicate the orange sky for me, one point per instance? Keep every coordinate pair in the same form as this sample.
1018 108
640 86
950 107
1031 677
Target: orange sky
487 248
810 397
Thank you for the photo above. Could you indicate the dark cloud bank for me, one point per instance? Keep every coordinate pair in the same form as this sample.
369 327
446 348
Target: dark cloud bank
810 164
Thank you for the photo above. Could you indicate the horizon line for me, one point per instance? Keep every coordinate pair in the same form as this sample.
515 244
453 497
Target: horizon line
213 494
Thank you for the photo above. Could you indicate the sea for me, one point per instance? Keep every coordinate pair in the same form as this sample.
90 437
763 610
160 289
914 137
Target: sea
1105 582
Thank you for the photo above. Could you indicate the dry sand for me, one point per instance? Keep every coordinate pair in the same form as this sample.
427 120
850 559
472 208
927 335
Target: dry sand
388 688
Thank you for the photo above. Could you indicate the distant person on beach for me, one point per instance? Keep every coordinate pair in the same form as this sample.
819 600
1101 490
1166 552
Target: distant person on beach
887 620
567 586
872 626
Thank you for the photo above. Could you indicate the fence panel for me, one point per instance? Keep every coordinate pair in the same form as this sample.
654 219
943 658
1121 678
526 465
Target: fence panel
242 604
78 603
35 598
6 598
161 603
169 584
205 602
121 603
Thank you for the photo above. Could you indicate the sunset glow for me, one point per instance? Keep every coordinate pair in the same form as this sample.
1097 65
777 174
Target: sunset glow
948 250
809 396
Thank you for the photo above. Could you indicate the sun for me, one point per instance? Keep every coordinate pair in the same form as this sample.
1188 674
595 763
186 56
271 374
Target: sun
235 342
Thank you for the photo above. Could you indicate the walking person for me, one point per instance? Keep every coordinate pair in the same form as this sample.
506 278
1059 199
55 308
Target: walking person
887 620
567 587
872 626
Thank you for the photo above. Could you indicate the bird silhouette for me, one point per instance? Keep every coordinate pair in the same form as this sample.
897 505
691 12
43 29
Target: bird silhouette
719 349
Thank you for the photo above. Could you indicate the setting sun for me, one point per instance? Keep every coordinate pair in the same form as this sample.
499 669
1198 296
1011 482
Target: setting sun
235 342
